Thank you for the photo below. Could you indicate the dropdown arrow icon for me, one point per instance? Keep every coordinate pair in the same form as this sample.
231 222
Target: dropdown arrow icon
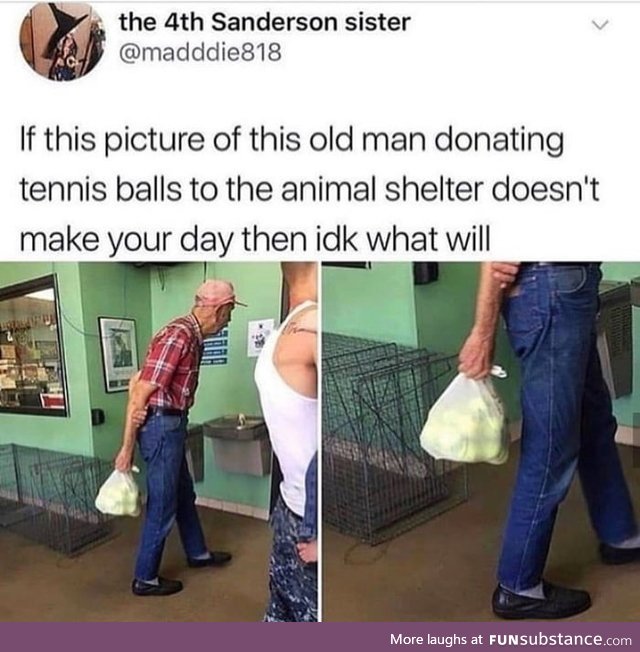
600 25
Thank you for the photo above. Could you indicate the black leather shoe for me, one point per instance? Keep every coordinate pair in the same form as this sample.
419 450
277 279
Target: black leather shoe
616 556
216 558
163 587
557 603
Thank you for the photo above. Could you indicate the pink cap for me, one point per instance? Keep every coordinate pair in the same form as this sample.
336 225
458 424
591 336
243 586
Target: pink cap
216 293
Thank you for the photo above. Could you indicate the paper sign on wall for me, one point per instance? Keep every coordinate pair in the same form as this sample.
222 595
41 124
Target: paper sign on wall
257 333
215 349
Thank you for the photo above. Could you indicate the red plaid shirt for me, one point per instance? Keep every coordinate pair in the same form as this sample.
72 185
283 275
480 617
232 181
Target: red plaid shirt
172 363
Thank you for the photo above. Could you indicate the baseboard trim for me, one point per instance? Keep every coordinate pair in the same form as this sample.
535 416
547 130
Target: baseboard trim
233 508
624 434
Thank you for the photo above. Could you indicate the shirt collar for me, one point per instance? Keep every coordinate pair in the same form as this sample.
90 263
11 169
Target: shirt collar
195 326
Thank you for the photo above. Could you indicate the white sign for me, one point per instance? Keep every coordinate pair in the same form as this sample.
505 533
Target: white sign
257 334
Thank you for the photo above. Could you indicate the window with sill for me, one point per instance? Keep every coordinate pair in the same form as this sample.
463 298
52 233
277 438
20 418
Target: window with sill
32 375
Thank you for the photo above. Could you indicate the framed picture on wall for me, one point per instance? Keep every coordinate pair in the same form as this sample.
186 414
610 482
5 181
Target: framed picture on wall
119 352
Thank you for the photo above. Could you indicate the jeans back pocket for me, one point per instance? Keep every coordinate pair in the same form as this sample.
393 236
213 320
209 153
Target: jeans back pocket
567 280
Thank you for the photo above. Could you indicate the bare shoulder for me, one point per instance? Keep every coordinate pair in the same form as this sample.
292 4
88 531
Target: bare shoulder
309 318
305 321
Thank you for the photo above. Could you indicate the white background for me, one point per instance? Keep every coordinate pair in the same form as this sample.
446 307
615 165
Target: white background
478 66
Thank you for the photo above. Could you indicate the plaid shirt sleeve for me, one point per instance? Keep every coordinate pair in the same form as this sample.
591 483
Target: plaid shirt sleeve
309 526
164 356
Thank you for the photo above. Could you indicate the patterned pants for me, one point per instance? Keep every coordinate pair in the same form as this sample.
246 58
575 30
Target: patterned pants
293 585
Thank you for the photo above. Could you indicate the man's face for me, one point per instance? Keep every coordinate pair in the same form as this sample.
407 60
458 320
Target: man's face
224 314
215 318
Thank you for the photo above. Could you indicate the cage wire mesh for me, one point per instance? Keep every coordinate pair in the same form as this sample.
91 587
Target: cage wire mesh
10 507
49 497
377 480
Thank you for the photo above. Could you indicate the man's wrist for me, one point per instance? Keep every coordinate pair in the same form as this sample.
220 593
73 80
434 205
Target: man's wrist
484 332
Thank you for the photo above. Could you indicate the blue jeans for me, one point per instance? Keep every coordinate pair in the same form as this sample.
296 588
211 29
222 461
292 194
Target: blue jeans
170 494
567 419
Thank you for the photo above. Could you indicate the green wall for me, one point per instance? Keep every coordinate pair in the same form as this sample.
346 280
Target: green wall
68 435
445 311
376 303
626 406
224 389
86 291
111 290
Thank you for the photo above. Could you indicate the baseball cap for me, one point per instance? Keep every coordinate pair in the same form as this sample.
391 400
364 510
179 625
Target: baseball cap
216 293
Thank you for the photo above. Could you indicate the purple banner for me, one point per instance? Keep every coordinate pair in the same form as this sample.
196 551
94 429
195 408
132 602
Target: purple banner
325 637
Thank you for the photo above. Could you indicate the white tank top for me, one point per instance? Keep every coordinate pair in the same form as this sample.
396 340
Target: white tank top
291 419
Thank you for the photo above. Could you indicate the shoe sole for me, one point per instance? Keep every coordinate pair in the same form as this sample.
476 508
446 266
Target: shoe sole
618 562
216 565
619 556
512 615
154 595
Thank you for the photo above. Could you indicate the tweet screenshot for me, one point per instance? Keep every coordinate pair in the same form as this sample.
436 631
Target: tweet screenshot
275 342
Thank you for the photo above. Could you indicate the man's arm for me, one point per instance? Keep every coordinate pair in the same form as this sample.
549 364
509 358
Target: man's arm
310 324
309 527
476 356
307 547
140 392
305 325
505 273
308 533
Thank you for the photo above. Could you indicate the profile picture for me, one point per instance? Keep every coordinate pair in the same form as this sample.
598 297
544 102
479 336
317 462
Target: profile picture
62 41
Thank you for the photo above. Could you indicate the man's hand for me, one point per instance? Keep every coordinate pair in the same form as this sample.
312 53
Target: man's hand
476 357
139 417
308 551
124 459
505 273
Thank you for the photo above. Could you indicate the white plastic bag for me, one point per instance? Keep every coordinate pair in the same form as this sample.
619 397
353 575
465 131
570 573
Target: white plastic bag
119 495
467 423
